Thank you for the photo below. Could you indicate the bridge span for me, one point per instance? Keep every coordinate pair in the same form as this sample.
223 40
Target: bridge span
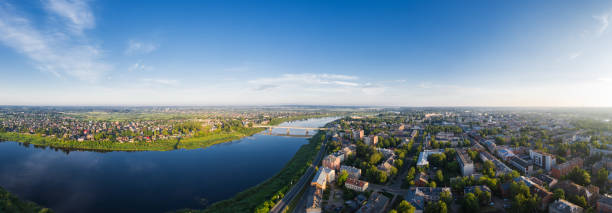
289 127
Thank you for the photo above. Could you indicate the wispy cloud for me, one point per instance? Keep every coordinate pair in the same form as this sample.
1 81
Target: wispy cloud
575 55
139 66
138 47
162 81
75 12
603 23
56 55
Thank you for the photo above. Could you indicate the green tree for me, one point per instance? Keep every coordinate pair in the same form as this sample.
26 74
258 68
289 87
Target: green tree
342 178
446 197
436 207
578 200
488 168
579 176
558 194
601 178
439 176
470 203
405 207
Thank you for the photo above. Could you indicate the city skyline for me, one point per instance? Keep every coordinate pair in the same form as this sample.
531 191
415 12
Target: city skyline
520 53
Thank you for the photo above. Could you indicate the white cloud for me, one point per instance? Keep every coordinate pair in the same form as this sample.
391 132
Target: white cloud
76 12
138 48
167 82
139 66
575 55
604 22
56 55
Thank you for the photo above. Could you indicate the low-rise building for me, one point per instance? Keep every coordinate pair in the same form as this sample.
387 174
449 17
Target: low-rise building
521 165
604 204
313 204
465 162
356 184
422 160
590 193
332 162
419 196
563 169
323 177
564 206
353 172
375 204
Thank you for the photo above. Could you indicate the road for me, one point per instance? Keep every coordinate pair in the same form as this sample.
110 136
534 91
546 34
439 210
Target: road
304 180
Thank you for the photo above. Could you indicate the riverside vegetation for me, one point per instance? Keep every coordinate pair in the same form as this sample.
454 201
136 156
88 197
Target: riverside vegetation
11 204
262 197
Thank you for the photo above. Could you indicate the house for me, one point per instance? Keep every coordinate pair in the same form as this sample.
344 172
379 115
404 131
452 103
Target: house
420 180
465 162
419 196
352 171
356 184
564 206
604 204
544 160
375 204
563 169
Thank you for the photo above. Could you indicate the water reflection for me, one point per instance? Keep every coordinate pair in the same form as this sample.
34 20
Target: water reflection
92 181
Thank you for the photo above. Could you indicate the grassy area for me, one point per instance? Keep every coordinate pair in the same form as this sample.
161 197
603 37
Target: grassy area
10 203
164 145
266 194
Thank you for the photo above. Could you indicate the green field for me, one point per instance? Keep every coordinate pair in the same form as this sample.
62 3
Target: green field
163 145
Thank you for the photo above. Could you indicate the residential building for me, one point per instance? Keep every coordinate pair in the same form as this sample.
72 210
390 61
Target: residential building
563 169
490 144
472 189
422 160
371 140
332 162
419 196
353 172
505 153
313 204
465 162
323 177
420 180
544 160
375 204
521 165
590 193
356 184
358 134
564 206
604 204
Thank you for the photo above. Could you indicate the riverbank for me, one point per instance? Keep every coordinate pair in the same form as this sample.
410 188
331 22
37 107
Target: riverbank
263 196
164 145
10 203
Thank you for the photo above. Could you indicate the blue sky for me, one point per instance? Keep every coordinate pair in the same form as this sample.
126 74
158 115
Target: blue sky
397 53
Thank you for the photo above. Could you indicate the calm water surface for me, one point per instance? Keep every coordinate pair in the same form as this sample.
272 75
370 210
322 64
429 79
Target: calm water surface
151 181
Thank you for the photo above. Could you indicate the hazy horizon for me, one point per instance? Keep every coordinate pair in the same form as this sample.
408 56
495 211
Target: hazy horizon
330 53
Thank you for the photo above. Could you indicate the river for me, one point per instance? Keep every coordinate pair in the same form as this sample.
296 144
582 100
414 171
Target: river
147 181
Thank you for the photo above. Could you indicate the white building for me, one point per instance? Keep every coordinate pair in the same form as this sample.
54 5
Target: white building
544 160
